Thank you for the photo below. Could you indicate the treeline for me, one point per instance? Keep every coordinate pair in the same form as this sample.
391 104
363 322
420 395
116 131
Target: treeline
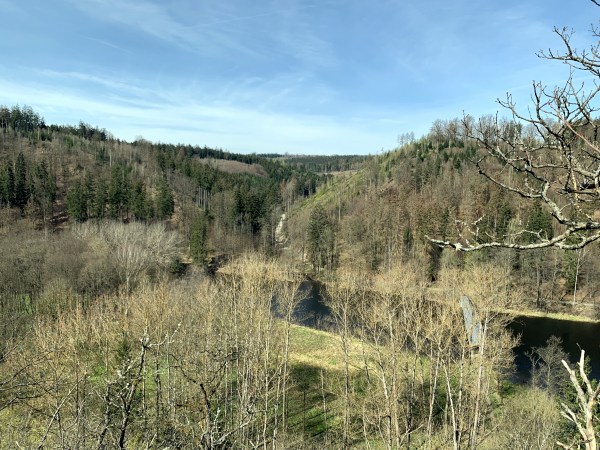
324 163
20 119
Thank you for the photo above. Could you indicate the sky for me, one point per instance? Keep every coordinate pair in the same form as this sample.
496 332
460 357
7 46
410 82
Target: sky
278 76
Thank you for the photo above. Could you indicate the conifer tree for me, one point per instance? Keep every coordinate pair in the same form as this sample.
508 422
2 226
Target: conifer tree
321 239
140 205
21 195
43 191
118 191
77 201
198 237
100 199
165 205
539 224
7 185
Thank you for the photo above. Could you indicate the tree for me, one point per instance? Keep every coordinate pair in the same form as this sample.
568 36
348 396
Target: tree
7 185
118 190
140 205
44 191
21 192
584 415
198 237
321 239
549 154
165 205
77 201
100 199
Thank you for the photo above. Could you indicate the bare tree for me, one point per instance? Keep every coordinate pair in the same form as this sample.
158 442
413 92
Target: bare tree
134 247
587 399
549 154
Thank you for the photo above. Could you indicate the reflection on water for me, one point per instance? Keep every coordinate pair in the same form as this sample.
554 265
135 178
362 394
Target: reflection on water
535 331
312 310
575 336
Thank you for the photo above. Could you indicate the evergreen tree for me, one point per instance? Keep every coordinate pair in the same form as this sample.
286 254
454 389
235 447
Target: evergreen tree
198 237
100 199
321 239
88 186
118 191
140 205
165 205
77 201
43 190
7 185
539 223
21 196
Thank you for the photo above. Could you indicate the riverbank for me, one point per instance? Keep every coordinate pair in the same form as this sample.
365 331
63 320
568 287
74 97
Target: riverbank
552 315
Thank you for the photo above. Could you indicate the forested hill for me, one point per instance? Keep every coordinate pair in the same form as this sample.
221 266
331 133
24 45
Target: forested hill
382 215
376 212
51 175
322 163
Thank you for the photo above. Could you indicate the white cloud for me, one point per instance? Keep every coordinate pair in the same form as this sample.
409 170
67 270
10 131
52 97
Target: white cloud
188 121
160 21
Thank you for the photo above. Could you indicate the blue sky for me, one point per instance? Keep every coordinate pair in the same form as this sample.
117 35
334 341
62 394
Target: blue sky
297 76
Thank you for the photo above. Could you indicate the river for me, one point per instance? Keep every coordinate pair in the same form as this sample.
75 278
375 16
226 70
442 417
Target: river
534 331
575 336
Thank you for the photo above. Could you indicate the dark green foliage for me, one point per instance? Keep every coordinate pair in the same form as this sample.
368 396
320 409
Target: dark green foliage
43 190
100 199
21 195
86 131
504 216
539 224
7 185
198 238
408 239
250 208
177 267
119 191
77 201
321 239
84 171
24 120
165 205
141 206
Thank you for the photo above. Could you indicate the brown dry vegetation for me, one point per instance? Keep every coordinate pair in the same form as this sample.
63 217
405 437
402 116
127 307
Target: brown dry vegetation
230 166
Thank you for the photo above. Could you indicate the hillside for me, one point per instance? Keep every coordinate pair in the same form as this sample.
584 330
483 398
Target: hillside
52 174
380 217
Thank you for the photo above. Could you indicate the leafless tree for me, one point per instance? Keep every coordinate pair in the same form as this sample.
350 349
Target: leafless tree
587 399
549 153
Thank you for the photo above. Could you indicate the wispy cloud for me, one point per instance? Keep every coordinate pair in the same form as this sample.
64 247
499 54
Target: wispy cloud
109 44
225 30
160 22
233 127
327 75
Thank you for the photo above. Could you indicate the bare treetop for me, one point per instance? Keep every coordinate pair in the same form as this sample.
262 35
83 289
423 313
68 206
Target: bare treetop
548 154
